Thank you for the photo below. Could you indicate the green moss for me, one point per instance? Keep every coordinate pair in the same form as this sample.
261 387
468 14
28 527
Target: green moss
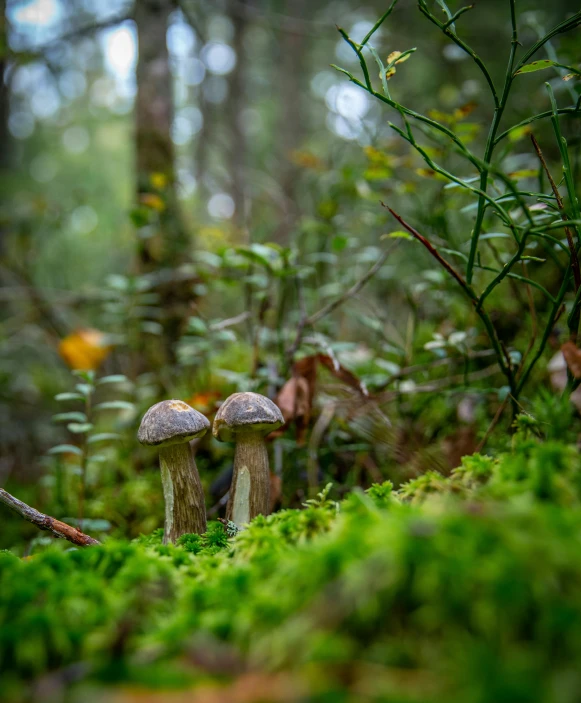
462 588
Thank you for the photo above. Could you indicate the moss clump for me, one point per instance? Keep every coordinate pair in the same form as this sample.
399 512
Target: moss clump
464 588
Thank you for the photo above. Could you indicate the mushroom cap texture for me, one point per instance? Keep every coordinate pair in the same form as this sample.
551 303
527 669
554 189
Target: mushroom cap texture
171 422
246 412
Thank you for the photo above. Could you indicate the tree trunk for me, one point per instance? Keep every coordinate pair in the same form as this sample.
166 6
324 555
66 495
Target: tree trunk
292 125
236 103
4 89
153 143
163 244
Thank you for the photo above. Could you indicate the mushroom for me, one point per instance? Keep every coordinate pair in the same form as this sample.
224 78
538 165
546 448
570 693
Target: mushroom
170 425
246 418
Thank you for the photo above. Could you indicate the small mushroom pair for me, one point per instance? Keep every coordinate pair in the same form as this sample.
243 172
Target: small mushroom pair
245 418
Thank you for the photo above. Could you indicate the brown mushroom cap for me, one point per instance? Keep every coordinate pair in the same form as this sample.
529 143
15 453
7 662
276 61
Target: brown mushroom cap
246 412
171 422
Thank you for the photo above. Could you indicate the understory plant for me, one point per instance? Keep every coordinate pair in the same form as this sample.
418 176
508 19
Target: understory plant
83 410
526 224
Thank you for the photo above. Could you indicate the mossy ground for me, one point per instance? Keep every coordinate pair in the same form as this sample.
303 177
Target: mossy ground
464 588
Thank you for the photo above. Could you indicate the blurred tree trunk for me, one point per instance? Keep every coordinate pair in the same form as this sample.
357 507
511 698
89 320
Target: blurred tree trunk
236 102
155 158
292 118
5 141
163 242
4 89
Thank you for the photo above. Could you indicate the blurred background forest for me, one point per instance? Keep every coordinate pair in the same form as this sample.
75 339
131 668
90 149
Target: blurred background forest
189 190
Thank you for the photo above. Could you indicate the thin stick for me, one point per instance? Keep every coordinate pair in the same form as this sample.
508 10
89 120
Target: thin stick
45 522
230 322
501 354
495 421
535 327
434 252
355 288
574 258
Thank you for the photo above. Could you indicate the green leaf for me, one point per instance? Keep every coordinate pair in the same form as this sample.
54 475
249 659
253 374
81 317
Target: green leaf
225 336
342 70
518 133
98 458
139 216
116 378
70 417
80 427
152 327
454 252
115 405
381 67
85 389
495 235
68 396
524 173
87 375
65 449
197 326
397 235
260 254
536 66
103 437
503 392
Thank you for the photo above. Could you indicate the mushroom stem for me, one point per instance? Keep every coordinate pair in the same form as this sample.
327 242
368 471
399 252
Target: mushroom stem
185 509
250 490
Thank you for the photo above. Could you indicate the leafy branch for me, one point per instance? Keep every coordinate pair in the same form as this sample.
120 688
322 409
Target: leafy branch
525 222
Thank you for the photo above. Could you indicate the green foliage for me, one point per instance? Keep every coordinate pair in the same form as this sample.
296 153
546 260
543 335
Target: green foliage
469 596
493 187
381 493
536 471
212 542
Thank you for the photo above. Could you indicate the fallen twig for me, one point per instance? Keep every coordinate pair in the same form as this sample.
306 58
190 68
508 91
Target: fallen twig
45 522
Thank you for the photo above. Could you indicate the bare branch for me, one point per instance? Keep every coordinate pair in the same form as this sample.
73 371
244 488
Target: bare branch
230 322
574 258
355 288
45 522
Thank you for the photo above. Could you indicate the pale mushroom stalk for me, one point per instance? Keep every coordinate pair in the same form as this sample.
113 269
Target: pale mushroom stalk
185 508
246 418
170 425
250 489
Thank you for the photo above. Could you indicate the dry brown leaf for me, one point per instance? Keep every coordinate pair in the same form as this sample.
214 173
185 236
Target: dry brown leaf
573 358
343 374
462 112
294 399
